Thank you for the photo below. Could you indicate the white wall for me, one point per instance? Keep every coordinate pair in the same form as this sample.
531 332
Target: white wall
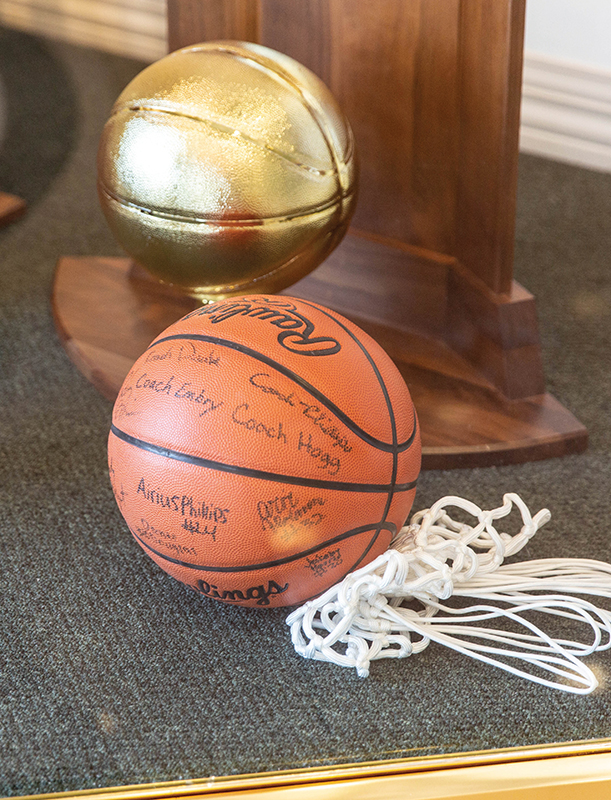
572 30
566 91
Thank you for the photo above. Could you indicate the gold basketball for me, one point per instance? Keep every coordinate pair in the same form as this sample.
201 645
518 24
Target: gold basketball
225 168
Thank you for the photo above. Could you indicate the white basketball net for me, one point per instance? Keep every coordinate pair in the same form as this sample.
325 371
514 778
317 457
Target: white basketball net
371 615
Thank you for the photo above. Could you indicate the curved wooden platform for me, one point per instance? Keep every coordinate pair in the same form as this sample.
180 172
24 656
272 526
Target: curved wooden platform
11 208
107 313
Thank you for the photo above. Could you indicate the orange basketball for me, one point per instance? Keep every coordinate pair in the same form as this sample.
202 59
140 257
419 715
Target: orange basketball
262 448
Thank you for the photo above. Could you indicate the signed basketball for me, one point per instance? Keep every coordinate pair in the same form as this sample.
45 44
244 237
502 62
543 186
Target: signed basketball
263 447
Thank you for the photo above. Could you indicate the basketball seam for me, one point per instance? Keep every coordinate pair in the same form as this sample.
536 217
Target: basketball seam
278 73
386 526
173 216
234 469
293 376
393 424
285 266
265 564
223 128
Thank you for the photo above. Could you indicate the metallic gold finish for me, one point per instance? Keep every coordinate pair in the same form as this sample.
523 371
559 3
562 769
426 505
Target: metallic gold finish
563 771
226 168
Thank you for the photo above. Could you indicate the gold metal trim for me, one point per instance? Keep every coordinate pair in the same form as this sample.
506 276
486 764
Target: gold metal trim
524 772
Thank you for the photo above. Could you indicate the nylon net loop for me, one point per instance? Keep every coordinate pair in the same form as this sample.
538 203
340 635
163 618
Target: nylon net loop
393 608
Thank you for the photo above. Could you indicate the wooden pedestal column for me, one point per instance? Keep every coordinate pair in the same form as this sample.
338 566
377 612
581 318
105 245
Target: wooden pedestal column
432 90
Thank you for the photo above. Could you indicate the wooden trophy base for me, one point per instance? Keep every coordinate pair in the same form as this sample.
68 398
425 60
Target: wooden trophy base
11 208
107 311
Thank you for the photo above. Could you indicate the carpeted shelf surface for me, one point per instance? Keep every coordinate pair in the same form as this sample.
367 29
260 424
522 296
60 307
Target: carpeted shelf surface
112 673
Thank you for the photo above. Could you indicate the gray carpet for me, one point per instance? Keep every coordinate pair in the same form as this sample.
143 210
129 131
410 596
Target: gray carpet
3 113
111 672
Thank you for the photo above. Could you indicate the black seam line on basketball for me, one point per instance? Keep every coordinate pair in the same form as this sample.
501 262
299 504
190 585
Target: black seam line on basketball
374 539
410 440
341 576
161 213
234 469
308 387
391 412
222 128
266 564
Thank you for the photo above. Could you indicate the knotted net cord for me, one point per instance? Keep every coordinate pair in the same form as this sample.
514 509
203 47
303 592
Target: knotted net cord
392 607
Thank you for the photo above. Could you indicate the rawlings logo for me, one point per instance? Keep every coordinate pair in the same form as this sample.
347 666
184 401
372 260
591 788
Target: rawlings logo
297 332
259 593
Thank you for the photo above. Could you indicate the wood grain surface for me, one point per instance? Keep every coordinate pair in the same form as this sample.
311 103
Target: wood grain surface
107 312
432 89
